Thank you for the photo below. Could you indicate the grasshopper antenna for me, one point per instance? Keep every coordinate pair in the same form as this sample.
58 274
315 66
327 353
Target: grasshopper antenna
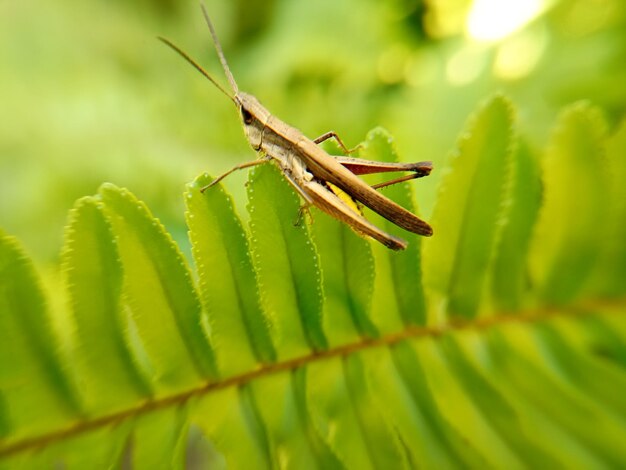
197 66
218 48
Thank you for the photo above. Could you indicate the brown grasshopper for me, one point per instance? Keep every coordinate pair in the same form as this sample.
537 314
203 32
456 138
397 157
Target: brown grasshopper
315 174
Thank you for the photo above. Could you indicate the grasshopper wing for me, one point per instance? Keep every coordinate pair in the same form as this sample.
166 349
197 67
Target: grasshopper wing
326 168
329 202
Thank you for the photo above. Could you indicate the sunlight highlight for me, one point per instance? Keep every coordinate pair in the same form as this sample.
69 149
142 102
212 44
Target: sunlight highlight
492 20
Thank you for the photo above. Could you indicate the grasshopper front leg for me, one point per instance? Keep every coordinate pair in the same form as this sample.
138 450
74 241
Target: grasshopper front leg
241 166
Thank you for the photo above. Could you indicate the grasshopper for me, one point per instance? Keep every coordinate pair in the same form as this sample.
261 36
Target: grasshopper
324 181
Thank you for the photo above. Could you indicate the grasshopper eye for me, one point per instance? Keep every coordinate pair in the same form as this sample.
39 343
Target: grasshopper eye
247 117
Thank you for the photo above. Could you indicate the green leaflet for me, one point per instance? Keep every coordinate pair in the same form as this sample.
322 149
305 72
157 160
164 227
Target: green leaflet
574 214
230 419
546 435
467 214
200 450
159 294
404 267
297 441
334 415
383 443
324 454
502 417
159 440
348 266
610 276
509 282
602 339
533 373
94 279
35 392
287 266
228 283
420 420
458 408
102 448
564 343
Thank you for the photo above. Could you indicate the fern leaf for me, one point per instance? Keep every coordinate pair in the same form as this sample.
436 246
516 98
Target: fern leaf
94 280
383 443
228 283
297 441
101 447
500 415
417 417
36 394
467 215
160 295
404 267
573 216
159 440
460 409
288 268
230 419
321 372
610 276
334 414
533 373
510 272
348 266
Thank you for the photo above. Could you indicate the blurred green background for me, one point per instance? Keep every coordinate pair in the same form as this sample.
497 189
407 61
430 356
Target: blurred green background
88 95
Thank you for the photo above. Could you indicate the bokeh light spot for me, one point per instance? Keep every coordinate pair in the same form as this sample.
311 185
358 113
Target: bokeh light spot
492 20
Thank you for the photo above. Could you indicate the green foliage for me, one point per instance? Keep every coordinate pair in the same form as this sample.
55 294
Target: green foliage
95 295
31 375
289 276
228 282
348 277
405 268
468 210
304 345
574 200
161 297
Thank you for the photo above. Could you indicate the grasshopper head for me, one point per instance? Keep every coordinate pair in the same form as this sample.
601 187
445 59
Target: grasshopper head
253 114
254 117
